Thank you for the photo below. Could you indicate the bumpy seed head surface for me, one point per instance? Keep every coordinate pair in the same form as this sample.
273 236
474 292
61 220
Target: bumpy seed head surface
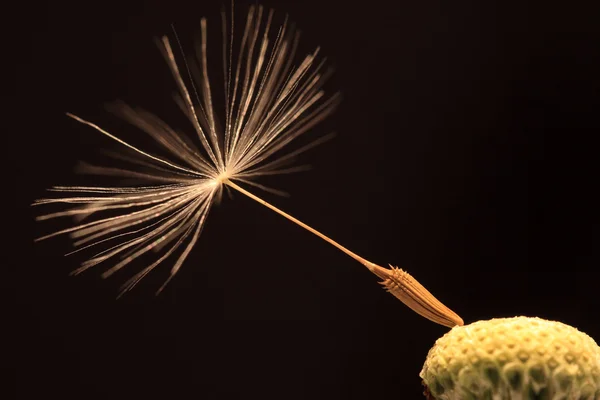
513 358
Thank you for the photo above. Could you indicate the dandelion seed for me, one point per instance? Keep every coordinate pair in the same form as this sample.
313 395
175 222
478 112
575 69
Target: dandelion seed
269 103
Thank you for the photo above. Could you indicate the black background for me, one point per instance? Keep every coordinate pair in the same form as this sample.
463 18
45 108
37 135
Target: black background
465 154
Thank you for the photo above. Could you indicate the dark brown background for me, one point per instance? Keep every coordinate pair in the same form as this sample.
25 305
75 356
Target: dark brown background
466 154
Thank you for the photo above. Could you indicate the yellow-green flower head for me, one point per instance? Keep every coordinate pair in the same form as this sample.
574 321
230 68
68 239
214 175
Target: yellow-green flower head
513 358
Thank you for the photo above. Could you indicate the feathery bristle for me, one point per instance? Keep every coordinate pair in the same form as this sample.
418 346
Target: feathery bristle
269 103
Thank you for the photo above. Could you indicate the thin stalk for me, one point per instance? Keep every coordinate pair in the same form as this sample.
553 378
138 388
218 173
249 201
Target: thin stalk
358 258
398 282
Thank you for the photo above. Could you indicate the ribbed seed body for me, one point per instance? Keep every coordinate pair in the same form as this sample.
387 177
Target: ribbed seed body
408 290
516 358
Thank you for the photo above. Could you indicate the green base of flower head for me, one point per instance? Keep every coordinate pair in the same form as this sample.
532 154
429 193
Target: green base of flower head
516 358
